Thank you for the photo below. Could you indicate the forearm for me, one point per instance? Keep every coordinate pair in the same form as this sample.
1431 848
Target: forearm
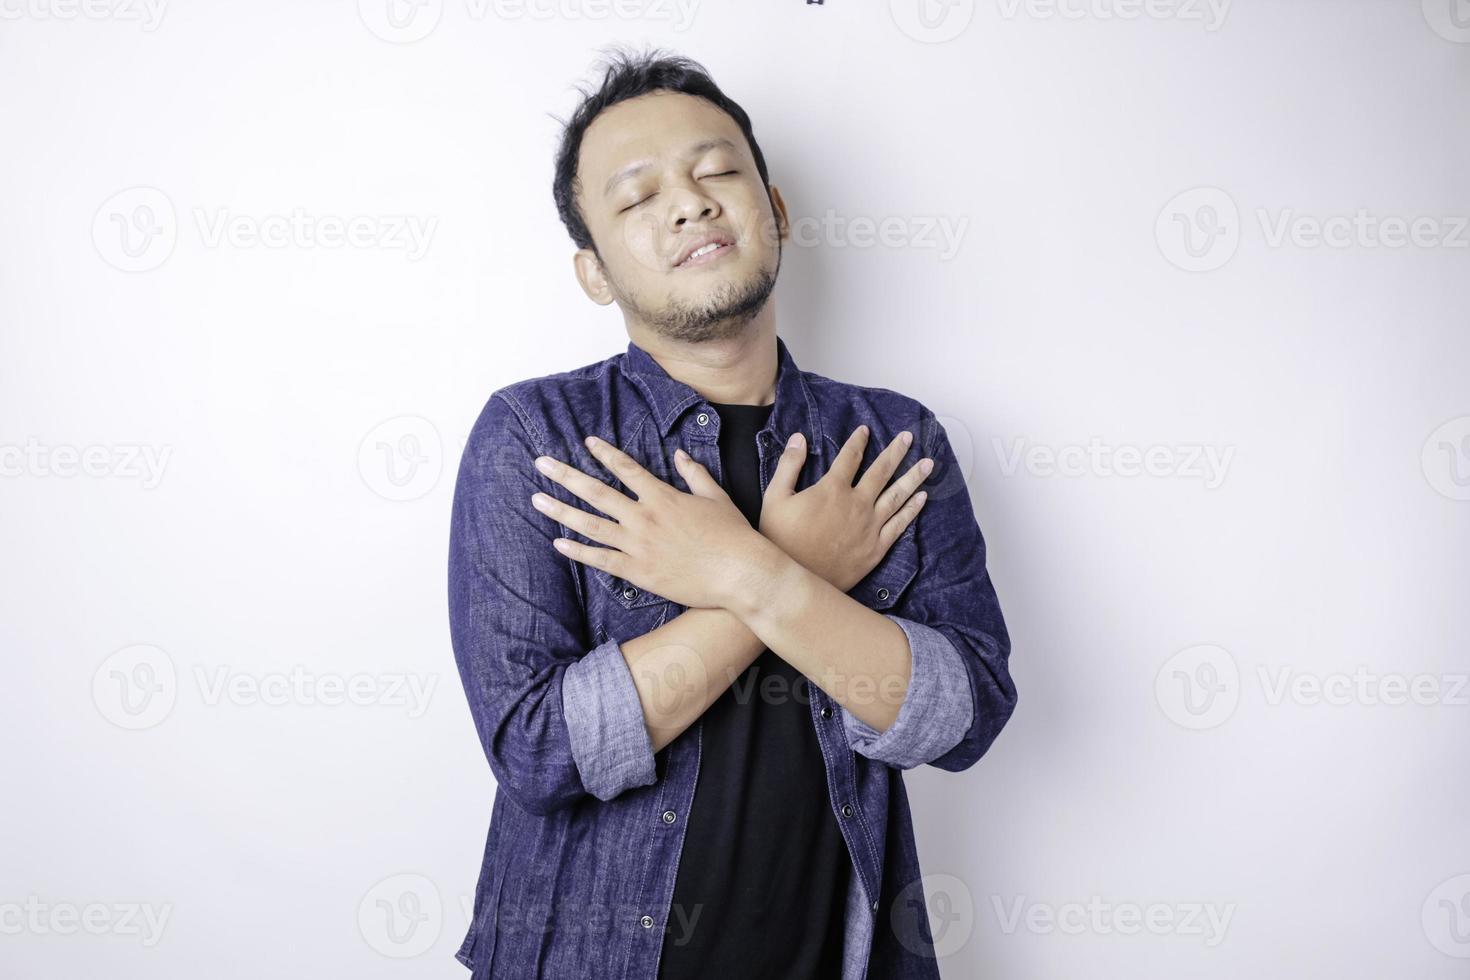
683 667
859 657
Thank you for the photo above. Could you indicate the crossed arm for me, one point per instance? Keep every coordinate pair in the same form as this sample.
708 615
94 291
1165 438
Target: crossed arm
697 549
558 720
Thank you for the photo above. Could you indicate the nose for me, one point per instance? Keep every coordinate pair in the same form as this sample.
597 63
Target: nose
688 202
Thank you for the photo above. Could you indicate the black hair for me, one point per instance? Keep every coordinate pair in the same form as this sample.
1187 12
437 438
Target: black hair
629 75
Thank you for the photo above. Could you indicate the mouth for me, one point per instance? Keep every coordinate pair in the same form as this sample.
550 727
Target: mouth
706 254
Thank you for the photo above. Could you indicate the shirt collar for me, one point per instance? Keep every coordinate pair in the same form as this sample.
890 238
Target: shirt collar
794 410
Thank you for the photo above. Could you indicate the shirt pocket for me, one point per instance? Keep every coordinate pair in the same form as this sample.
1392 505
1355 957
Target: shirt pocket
893 576
622 610
626 596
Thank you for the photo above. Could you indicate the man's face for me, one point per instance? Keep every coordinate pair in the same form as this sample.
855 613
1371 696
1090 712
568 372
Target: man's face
659 174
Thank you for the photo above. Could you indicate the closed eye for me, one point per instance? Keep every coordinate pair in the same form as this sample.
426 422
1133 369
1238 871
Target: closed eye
639 204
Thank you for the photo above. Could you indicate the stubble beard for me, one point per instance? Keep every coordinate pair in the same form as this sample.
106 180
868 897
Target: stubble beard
725 313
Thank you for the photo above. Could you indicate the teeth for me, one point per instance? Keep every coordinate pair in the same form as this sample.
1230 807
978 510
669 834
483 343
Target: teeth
702 250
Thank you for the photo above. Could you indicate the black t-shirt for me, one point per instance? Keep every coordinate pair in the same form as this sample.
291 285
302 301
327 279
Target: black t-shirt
764 865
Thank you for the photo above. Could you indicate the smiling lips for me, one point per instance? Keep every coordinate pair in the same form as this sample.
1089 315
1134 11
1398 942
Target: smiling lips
705 252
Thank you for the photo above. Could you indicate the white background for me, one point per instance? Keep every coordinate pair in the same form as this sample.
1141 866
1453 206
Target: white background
304 404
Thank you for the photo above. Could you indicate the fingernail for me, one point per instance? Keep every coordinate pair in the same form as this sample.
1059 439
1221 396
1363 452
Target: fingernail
906 436
925 465
796 440
921 496
538 501
543 463
590 441
680 454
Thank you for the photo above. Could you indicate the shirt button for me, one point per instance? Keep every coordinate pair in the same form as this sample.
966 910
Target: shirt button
826 712
882 593
630 593
646 922
847 809
875 906
702 418
669 816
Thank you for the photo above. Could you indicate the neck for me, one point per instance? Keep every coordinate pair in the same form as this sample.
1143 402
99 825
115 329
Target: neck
738 370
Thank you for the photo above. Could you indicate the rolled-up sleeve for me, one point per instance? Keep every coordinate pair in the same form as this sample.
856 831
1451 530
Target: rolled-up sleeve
609 737
936 711
557 715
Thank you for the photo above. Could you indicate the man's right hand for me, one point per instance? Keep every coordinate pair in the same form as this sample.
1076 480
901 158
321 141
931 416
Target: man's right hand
837 530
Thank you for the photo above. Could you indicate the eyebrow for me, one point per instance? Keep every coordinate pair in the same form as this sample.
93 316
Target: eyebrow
703 146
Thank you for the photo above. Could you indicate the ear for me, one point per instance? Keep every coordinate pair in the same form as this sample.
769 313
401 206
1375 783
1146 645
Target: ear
590 274
778 205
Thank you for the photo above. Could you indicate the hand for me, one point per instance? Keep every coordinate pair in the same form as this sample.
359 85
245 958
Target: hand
693 548
837 530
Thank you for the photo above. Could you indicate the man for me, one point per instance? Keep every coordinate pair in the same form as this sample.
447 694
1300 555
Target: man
701 621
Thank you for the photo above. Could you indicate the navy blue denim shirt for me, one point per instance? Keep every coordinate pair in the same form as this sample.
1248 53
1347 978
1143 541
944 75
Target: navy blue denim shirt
587 825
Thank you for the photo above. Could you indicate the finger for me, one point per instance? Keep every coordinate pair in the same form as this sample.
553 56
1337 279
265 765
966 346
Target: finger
789 466
607 559
624 467
588 525
902 488
876 478
615 505
697 476
895 525
850 456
